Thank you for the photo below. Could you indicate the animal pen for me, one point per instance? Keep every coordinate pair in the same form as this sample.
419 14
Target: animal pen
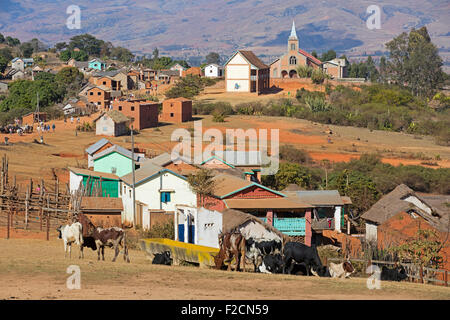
36 207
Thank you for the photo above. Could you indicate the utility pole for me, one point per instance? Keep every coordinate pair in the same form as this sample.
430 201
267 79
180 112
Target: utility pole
132 170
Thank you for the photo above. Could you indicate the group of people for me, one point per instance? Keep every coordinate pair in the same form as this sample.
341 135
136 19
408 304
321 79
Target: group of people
45 127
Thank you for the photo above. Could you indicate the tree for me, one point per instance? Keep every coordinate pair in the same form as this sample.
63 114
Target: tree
3 64
80 55
6 53
65 55
213 57
70 78
304 71
26 49
202 184
155 54
60 46
122 54
327 56
314 54
289 173
414 62
424 249
318 76
12 41
88 43
2 38
372 71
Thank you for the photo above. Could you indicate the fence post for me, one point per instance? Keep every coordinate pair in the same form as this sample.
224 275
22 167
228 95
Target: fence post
8 226
421 274
445 278
48 225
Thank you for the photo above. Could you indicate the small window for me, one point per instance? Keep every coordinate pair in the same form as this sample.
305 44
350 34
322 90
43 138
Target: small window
120 108
210 70
171 115
129 192
132 108
293 46
104 83
113 170
91 93
99 93
105 129
165 197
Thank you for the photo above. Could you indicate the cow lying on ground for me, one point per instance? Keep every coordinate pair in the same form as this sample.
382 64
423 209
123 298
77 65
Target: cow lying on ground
257 249
272 263
72 233
295 252
113 238
162 258
394 274
231 245
341 270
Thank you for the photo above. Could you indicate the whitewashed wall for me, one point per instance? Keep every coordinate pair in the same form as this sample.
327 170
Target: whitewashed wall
371 232
74 181
149 194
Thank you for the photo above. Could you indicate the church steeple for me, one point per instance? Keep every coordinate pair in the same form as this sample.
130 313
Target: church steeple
293 32
293 40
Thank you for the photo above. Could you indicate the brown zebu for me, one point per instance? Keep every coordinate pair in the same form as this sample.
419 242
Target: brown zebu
231 245
111 237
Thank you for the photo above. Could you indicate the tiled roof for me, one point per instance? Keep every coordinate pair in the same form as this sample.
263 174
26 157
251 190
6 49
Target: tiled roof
253 59
118 149
310 57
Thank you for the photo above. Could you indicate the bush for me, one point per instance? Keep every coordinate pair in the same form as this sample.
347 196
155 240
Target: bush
292 154
304 71
318 76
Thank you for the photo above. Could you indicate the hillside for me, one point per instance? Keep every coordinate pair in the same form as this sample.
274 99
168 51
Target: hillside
194 28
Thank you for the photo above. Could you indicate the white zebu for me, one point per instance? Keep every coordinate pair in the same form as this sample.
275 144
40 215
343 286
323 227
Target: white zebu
72 233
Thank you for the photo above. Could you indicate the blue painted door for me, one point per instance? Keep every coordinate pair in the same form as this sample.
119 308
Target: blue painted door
181 232
191 235
290 226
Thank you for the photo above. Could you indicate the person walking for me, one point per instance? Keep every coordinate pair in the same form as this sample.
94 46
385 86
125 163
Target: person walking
53 127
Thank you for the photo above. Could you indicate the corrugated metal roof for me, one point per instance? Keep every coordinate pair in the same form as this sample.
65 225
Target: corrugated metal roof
118 149
94 147
319 197
85 172
240 158
144 173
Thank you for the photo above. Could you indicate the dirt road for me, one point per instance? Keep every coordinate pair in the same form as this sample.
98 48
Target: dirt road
36 269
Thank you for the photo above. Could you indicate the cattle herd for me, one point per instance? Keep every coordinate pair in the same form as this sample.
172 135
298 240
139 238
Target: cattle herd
266 255
98 239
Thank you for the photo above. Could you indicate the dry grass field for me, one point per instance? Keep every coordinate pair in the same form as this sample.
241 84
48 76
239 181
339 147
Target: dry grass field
36 269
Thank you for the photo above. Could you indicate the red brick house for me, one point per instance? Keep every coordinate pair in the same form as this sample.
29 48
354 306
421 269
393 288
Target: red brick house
100 96
289 215
144 112
176 110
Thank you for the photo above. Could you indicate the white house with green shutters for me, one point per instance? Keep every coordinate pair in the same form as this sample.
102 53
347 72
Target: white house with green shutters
156 189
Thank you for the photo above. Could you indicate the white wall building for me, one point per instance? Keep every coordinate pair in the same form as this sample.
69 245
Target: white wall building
213 70
156 188
198 226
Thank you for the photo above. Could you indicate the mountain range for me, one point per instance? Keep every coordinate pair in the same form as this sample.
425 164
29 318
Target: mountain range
193 28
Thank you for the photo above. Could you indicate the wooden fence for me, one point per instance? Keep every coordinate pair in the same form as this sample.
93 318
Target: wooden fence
414 272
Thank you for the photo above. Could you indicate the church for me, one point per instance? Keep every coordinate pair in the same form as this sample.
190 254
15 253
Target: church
286 65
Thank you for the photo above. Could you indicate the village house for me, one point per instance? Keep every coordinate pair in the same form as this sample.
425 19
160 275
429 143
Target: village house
95 148
102 212
199 226
178 67
168 76
115 79
157 192
286 66
248 163
176 110
15 74
194 71
336 68
117 160
21 63
112 123
396 218
100 96
244 72
97 64
290 216
105 183
144 113
213 70
34 117
178 165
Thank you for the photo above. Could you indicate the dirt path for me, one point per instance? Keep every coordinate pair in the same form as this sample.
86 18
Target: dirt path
36 269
